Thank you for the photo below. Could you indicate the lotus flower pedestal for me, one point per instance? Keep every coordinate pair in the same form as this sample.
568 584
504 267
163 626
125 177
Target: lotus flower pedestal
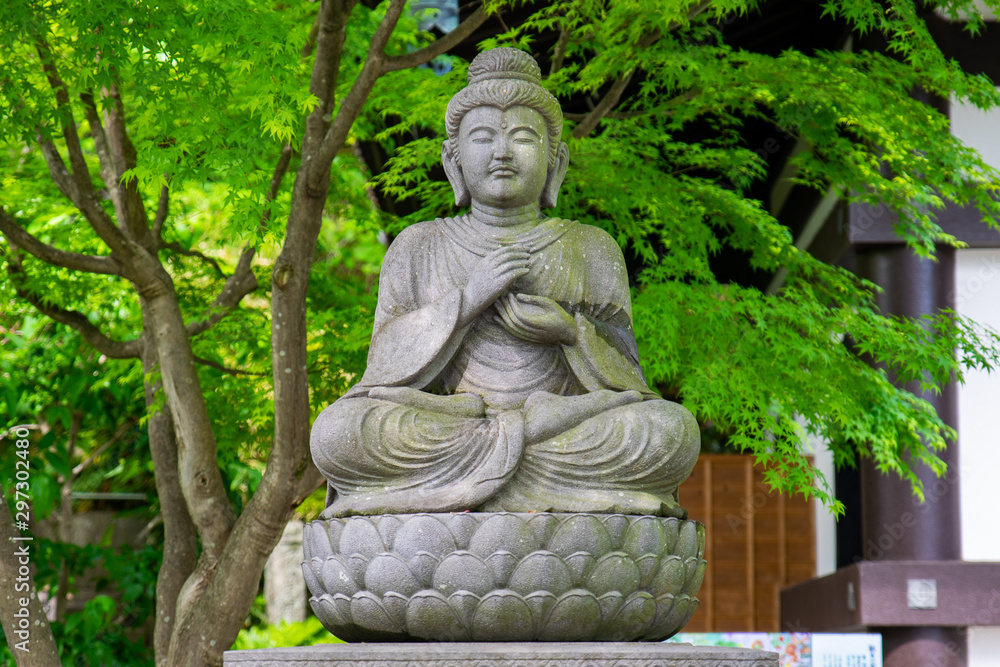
504 577
503 590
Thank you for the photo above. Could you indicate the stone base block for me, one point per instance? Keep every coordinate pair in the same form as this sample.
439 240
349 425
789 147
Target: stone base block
497 654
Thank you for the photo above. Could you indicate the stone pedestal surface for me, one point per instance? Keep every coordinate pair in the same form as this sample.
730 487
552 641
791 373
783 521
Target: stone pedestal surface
497 654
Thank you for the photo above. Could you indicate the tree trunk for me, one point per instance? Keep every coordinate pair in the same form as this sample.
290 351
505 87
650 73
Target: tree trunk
218 615
22 615
180 541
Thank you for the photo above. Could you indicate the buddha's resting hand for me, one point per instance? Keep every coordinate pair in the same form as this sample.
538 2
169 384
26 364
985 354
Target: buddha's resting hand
537 319
490 278
458 405
546 414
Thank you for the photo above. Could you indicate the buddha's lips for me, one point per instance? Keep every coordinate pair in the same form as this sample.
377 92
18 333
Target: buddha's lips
503 170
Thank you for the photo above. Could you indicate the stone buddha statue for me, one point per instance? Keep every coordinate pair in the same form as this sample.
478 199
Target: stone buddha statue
503 373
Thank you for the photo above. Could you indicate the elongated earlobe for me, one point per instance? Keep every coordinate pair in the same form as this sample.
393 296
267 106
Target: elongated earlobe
455 177
555 179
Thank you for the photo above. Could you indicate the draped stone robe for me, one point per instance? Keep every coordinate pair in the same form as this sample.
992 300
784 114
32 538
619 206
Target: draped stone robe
383 457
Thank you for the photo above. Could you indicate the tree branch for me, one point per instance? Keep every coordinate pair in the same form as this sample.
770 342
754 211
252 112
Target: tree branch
280 169
310 44
351 106
108 174
443 45
623 115
162 208
76 185
332 20
611 98
18 236
559 55
607 103
181 250
242 282
225 369
116 349
81 174
103 448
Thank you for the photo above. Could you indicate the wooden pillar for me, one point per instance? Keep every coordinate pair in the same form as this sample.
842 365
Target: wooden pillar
894 525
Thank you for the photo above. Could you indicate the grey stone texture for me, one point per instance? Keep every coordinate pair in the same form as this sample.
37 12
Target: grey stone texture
284 589
504 576
536 654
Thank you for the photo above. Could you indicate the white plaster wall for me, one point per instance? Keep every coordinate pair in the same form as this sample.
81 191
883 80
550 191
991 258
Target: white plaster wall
977 283
977 295
977 128
984 647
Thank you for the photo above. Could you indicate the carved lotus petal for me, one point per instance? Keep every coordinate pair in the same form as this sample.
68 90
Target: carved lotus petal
430 616
337 577
610 604
423 532
503 532
614 572
616 525
395 607
360 537
691 567
462 527
644 536
464 603
387 527
542 526
357 564
463 571
670 532
502 563
312 571
687 540
671 614
632 620
368 612
541 603
581 532
693 584
648 565
581 563
422 565
502 615
575 616
326 611
389 572
541 571
343 604
333 529
316 542
671 575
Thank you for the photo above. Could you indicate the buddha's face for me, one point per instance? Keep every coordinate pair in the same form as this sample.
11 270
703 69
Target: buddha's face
504 155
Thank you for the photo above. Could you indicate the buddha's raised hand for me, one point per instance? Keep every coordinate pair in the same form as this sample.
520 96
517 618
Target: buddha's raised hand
490 278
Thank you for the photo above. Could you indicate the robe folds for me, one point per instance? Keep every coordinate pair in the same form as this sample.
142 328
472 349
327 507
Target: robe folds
381 456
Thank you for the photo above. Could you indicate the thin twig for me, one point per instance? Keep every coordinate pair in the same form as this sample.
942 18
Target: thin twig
103 448
231 371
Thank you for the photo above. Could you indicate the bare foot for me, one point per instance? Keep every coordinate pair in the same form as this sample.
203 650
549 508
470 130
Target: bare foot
546 415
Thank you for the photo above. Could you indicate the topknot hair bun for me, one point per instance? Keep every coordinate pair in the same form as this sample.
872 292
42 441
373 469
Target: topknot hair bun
504 63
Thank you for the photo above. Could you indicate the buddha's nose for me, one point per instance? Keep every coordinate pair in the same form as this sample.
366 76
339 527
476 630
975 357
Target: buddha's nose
502 150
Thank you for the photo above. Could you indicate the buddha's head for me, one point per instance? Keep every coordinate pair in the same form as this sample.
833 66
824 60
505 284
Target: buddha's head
503 147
